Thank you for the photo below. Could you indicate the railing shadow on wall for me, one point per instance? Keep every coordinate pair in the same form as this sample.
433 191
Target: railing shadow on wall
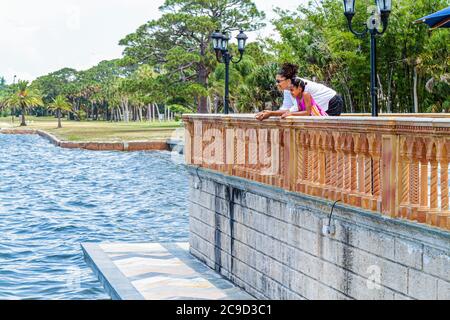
396 166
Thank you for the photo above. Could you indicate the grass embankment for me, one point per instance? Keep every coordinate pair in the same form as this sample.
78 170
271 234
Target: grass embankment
95 131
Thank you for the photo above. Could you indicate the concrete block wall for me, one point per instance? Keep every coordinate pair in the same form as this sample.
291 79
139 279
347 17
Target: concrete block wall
270 243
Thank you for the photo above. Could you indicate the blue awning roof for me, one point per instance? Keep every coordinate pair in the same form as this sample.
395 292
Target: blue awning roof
440 19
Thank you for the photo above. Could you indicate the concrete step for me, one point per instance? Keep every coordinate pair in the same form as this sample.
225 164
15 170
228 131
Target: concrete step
153 271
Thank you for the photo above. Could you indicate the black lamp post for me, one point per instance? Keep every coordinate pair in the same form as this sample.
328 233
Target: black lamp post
220 44
383 10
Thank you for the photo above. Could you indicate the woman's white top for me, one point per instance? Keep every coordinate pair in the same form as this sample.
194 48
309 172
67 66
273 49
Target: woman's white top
321 93
289 102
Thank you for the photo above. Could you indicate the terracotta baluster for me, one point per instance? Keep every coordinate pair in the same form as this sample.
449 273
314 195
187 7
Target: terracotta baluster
390 174
300 161
322 166
404 184
236 164
340 169
189 138
367 181
223 156
374 150
219 140
240 152
212 164
414 194
308 163
262 153
247 173
414 189
347 169
315 165
328 166
362 150
431 216
443 217
230 151
252 150
444 185
354 172
355 197
289 158
209 159
360 174
334 168
277 154
376 181
198 142
423 185
306 155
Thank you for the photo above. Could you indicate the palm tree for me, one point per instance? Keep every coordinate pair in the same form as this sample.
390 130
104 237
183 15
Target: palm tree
25 98
59 105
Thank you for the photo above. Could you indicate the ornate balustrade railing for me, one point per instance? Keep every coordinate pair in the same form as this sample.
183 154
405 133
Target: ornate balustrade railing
396 166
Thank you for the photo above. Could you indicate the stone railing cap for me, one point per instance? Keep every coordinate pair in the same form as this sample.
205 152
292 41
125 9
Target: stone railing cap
353 119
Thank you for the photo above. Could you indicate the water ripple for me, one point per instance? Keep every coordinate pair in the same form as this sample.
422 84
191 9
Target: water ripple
53 199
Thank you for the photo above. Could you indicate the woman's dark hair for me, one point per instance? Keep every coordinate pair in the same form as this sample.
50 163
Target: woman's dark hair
288 70
297 82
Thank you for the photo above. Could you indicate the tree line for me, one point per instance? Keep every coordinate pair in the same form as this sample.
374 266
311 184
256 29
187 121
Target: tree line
169 63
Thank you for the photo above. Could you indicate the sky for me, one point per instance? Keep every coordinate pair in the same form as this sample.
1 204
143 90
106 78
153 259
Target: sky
39 37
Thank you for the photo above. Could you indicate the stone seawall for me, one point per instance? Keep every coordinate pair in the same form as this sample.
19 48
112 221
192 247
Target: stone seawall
271 243
96 146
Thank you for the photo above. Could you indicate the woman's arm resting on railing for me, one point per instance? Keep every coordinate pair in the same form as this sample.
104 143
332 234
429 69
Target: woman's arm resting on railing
267 114
295 114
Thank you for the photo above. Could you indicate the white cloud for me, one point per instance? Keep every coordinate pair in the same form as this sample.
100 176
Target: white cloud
38 37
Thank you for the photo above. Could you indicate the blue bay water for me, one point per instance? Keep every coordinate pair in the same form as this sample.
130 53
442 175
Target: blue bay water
53 199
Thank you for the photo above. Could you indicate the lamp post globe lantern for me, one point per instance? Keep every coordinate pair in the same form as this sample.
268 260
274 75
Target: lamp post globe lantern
225 40
384 8
349 8
242 41
223 55
384 5
217 40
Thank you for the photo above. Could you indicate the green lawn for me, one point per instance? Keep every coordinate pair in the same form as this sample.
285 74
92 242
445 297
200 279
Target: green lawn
98 130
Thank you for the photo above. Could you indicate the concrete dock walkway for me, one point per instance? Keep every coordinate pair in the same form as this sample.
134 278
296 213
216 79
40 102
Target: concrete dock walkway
157 272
